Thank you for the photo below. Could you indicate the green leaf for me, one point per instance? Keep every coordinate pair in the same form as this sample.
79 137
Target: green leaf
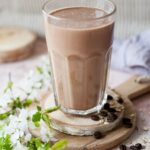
60 145
49 110
28 118
16 103
47 146
47 120
39 108
5 115
39 69
2 126
36 117
9 86
49 73
27 102
37 124
5 143
31 144
37 144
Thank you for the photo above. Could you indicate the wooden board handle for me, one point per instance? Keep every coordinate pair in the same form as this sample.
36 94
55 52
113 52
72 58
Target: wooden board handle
132 89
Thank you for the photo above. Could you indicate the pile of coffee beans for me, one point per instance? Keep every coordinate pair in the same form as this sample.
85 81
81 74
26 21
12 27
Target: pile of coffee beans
111 117
107 112
103 113
137 146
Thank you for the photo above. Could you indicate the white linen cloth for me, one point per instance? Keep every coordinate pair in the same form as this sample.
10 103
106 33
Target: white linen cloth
133 54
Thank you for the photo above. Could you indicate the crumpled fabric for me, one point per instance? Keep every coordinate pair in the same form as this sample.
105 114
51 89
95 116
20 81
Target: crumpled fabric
132 54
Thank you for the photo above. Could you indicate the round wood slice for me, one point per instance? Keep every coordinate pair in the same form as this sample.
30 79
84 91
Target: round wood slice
111 139
15 43
84 125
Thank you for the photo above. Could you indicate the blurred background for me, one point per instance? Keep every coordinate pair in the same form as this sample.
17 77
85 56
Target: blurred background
133 16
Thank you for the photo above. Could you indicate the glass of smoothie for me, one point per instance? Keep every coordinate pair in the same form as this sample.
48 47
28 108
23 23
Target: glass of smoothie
79 35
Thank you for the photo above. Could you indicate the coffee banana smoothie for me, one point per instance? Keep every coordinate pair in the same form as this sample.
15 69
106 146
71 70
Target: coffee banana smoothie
80 49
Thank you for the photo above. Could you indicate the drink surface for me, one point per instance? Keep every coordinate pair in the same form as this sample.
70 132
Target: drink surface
79 46
79 13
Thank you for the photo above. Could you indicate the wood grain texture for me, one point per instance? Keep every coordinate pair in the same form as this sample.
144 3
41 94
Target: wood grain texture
132 89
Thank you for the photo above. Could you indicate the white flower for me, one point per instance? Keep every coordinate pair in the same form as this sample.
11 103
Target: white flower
4 100
27 137
15 137
19 146
11 128
46 133
17 125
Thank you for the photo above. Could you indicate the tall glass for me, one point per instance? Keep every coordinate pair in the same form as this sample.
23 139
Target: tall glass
79 36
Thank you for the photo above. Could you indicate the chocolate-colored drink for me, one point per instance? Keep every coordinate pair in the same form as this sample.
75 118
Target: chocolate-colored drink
79 48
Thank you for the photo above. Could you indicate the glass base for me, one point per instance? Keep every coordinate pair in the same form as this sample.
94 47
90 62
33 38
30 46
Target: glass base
86 112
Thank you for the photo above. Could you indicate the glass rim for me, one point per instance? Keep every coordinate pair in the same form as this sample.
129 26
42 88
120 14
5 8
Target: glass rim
60 18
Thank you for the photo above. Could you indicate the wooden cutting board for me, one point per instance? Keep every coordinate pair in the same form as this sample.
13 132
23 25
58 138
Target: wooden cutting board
128 90
15 43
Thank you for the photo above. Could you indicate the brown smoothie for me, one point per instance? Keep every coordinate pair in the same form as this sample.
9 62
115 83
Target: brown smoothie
80 48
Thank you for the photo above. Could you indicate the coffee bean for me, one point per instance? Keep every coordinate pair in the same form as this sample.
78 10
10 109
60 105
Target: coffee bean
103 113
132 147
126 120
123 147
139 146
112 110
115 116
109 97
98 135
95 117
128 125
111 117
106 106
120 101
